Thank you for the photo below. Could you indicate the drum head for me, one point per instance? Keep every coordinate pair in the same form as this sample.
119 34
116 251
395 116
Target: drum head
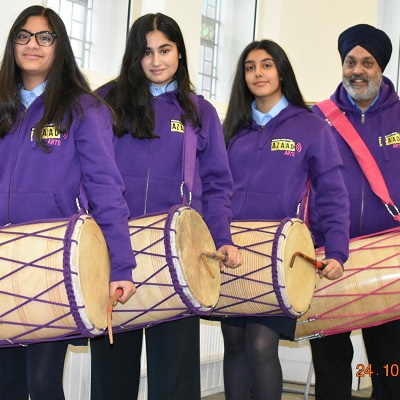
298 280
192 239
94 272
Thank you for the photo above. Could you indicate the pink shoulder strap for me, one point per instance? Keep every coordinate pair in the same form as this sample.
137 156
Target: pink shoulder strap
335 117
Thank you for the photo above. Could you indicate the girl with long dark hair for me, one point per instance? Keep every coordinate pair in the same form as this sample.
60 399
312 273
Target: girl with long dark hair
275 147
153 100
41 87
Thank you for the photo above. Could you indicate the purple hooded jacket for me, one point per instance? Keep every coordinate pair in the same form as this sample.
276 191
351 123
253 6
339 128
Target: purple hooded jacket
152 168
379 127
38 185
271 166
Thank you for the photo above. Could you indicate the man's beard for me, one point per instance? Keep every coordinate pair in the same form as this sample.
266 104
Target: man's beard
365 93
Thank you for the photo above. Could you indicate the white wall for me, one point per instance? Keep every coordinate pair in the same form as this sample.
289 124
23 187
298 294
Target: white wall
388 20
308 31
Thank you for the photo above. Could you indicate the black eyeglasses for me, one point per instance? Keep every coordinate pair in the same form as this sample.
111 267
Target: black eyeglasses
43 38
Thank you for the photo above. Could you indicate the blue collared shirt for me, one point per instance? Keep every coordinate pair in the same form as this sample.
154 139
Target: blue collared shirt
263 119
369 107
29 96
157 90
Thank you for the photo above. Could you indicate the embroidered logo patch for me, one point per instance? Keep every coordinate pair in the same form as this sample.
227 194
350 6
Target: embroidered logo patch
51 135
288 146
177 126
393 139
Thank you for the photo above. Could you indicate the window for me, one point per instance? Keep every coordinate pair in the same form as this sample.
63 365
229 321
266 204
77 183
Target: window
209 47
77 17
227 27
97 43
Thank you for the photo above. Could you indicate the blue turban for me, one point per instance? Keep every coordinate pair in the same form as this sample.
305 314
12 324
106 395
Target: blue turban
371 39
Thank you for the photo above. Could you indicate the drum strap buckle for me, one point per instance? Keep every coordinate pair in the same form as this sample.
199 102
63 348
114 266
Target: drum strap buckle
396 214
80 207
183 195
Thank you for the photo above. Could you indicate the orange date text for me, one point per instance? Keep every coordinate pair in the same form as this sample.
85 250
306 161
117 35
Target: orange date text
388 370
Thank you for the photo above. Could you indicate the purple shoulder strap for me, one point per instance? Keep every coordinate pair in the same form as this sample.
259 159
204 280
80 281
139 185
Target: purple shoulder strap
82 201
189 156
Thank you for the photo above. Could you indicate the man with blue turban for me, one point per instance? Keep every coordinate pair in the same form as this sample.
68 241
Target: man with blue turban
370 102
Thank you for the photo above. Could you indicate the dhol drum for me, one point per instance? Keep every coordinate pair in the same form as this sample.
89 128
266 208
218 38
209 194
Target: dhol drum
270 281
367 294
171 279
54 281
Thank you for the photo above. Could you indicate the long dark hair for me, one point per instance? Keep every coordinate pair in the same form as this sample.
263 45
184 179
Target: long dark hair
64 81
130 96
239 112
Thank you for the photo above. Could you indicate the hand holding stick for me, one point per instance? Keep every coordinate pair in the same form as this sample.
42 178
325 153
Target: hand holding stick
217 255
318 264
113 299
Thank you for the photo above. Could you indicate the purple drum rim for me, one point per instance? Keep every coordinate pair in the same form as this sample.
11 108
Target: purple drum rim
169 257
274 256
74 308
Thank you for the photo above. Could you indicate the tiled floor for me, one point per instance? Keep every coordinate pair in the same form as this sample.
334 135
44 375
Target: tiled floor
361 394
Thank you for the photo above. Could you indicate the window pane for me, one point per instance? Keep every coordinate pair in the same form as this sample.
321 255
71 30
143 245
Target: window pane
77 30
222 40
207 69
79 12
207 82
208 54
77 48
98 44
65 8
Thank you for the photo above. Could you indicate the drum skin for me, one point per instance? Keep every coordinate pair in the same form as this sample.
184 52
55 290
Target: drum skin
54 281
367 294
171 279
266 283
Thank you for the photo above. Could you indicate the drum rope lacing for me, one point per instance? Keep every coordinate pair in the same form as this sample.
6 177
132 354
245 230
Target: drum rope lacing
357 320
73 308
249 276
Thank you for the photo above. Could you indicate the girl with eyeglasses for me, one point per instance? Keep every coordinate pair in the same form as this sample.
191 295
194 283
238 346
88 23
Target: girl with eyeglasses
40 178
152 94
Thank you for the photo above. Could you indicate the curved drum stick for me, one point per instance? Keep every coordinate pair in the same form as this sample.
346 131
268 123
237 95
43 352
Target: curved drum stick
318 264
217 255
113 299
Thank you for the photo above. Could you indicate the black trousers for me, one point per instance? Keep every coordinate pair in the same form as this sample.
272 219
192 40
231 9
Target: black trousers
173 363
36 370
332 356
